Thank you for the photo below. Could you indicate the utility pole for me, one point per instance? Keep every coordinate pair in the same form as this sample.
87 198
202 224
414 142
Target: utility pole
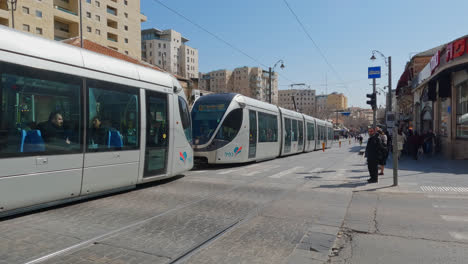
374 109
389 83
13 9
395 148
269 86
81 24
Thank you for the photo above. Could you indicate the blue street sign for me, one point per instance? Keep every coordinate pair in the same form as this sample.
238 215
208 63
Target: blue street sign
373 72
345 113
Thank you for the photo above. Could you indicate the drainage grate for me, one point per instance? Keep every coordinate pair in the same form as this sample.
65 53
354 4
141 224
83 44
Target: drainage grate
443 189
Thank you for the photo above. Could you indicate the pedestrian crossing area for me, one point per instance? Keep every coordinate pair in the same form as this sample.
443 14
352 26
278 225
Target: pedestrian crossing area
453 210
444 189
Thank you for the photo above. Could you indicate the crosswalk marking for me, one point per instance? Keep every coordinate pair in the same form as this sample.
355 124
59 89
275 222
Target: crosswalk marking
455 218
252 173
316 170
226 172
459 236
443 189
449 206
285 172
446 197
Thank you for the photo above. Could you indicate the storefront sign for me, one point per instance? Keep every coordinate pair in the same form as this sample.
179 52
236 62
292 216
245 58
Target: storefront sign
435 61
453 50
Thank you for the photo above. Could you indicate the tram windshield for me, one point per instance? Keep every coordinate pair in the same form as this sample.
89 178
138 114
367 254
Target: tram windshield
207 113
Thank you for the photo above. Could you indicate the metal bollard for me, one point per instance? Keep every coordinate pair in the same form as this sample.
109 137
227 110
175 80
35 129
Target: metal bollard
323 146
340 144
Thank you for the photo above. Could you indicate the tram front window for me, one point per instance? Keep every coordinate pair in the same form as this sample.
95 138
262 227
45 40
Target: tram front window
207 113
231 126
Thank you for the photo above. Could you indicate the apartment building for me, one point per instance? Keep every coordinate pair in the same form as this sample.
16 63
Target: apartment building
248 81
168 50
336 101
115 24
305 100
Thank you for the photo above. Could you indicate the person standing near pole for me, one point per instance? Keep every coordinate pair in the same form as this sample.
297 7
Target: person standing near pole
374 153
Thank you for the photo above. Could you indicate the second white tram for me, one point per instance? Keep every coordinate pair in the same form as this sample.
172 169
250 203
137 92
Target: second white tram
74 123
232 128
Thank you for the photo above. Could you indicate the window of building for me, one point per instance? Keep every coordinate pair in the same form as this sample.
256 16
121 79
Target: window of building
116 108
126 40
151 53
88 14
40 112
164 45
25 10
26 27
38 13
159 54
151 45
98 18
125 2
159 62
126 28
462 110
88 1
98 4
98 32
126 15
88 29
39 31
126 52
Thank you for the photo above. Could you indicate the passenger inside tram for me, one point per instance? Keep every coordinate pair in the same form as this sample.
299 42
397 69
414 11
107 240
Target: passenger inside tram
53 130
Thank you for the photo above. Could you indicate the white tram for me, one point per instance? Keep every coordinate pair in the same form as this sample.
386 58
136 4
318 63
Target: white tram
231 128
75 124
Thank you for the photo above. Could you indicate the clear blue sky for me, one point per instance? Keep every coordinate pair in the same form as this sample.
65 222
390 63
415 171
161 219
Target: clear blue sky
345 31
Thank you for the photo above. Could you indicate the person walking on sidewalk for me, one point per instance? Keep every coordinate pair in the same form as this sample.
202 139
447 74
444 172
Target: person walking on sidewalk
374 153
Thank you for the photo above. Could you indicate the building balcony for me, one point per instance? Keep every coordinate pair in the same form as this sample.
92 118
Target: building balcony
112 10
64 29
112 23
112 37
5 14
143 18
4 22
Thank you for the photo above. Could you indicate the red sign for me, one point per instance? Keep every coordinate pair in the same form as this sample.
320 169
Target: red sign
459 47
435 61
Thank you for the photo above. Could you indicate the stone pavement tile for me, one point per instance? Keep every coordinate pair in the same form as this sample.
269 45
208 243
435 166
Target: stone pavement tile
370 249
105 254
20 245
260 240
360 214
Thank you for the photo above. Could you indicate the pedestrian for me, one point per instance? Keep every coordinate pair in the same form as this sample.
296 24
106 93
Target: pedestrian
374 152
429 141
383 159
400 141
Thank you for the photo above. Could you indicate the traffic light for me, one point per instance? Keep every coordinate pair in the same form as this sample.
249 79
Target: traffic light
373 100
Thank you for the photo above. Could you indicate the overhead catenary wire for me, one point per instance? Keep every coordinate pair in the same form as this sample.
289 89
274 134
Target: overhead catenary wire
218 37
316 46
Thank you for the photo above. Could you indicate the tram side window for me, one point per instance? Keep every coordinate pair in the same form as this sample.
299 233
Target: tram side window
230 126
113 117
40 112
310 131
267 127
301 132
185 118
294 130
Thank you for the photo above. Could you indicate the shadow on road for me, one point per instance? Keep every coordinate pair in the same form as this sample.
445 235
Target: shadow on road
342 185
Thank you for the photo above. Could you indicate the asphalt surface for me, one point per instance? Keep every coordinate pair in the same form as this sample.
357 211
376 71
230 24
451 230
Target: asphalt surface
286 210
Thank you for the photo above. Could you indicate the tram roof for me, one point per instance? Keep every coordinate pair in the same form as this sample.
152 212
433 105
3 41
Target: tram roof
30 45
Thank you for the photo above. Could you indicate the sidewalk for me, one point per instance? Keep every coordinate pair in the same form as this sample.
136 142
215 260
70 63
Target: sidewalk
422 220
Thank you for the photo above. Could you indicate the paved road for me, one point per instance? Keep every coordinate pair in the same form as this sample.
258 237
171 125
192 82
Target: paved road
287 210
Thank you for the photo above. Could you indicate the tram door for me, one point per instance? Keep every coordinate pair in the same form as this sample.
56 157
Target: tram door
157 134
252 133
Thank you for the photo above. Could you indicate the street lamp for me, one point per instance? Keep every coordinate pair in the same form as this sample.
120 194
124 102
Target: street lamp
270 71
13 9
388 63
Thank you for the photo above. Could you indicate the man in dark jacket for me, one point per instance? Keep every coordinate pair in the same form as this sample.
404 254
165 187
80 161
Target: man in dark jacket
374 152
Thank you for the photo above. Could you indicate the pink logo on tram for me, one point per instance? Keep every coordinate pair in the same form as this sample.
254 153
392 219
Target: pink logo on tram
237 150
183 156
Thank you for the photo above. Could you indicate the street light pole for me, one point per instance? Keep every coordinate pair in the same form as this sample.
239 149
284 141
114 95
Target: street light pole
13 9
270 72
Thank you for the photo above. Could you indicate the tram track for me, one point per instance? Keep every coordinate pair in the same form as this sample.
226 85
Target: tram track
180 258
